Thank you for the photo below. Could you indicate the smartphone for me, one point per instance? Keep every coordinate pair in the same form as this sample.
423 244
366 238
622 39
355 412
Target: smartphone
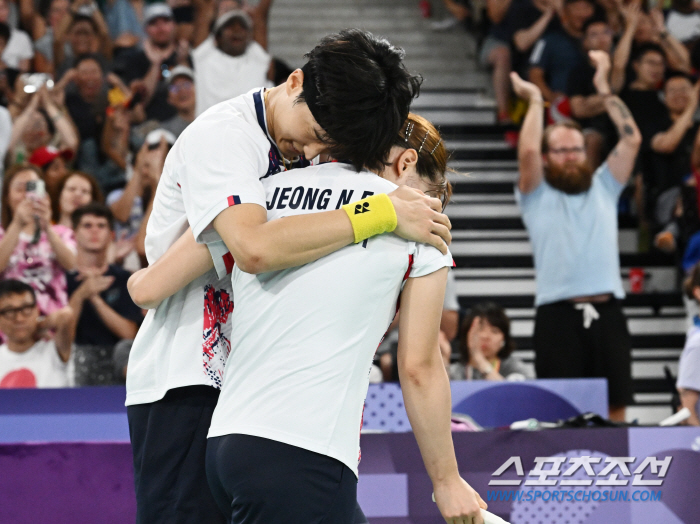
33 81
37 188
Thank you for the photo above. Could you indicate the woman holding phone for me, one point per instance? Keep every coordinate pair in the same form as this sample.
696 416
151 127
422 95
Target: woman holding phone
31 248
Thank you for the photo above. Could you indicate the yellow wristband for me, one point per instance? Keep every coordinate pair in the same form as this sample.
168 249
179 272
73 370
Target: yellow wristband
371 216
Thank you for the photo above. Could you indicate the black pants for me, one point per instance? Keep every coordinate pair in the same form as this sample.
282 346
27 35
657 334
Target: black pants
262 481
169 438
566 348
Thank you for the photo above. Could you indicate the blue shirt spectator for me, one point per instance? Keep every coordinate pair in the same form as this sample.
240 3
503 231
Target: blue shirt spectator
574 239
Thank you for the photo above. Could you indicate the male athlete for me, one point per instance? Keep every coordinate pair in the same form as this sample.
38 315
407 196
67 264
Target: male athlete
349 101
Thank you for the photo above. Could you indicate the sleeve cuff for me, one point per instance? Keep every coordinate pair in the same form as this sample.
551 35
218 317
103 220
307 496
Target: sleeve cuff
222 258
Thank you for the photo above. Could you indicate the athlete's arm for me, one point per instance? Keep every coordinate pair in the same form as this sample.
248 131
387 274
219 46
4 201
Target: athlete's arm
183 262
426 392
259 246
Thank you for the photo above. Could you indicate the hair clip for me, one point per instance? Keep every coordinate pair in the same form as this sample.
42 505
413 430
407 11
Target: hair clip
409 130
436 146
423 142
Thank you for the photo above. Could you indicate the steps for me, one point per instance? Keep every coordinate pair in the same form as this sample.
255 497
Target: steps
446 59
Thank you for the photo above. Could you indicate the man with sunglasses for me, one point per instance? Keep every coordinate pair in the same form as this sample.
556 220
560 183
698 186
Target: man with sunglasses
570 213
27 358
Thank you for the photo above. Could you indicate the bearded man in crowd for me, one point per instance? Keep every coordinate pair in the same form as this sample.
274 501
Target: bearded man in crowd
570 213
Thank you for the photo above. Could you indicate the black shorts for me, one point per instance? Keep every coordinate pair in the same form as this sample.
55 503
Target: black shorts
262 481
169 439
565 348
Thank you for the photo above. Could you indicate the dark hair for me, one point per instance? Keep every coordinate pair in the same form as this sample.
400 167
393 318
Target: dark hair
648 47
595 19
679 74
96 192
359 91
77 18
5 211
494 315
89 56
4 32
692 281
568 123
15 287
419 134
93 209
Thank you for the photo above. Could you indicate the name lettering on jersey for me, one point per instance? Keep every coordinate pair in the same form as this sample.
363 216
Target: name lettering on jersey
300 197
346 197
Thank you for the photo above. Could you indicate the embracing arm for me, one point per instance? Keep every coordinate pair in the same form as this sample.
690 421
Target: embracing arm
259 246
426 392
184 261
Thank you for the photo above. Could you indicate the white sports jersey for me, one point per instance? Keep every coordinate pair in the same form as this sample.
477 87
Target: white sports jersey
216 162
303 338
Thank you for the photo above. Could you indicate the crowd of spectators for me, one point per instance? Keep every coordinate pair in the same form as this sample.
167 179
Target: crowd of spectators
655 57
92 96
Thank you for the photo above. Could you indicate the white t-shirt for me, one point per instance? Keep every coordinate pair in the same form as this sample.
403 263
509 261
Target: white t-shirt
303 338
216 162
685 27
219 76
19 47
38 367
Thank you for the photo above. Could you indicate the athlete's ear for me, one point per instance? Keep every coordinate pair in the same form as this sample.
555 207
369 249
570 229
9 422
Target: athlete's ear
408 159
294 83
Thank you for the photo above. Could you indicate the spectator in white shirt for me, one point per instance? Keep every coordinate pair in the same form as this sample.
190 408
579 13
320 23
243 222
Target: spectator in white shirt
29 358
229 62
19 50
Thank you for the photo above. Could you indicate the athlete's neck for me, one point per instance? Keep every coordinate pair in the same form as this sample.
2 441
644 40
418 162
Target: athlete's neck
270 99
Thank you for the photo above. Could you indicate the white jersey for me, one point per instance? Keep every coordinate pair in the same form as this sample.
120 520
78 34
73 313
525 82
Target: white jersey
38 367
303 338
216 162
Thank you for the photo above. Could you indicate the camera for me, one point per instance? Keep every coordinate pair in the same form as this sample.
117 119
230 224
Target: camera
36 188
33 81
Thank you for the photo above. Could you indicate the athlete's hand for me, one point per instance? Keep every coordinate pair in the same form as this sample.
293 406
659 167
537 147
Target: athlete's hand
459 503
419 218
